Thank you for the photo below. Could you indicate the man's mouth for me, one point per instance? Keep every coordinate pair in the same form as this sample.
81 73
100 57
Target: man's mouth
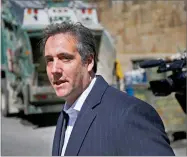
59 82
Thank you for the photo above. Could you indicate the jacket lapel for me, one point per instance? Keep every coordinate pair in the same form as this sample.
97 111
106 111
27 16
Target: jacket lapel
59 136
85 117
63 130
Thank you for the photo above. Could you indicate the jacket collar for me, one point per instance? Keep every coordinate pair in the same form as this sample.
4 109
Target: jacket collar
86 116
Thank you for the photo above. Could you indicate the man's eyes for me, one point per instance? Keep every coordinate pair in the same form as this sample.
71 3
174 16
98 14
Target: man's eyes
49 60
64 59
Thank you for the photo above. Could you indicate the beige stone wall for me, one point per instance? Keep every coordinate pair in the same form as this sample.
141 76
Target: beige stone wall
144 27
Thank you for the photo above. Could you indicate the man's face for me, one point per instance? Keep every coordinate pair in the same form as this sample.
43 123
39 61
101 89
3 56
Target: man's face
65 69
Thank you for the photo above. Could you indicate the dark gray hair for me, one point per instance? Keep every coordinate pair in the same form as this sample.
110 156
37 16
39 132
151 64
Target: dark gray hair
83 36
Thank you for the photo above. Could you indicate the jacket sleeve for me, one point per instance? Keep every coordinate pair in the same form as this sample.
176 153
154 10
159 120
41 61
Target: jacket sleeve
143 132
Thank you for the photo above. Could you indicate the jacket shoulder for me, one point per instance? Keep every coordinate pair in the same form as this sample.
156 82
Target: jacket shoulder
121 99
138 124
122 104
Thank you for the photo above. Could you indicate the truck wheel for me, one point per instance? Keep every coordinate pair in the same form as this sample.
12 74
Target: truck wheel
4 102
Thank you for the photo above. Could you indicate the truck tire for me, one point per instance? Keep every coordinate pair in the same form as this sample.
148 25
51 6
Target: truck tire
4 100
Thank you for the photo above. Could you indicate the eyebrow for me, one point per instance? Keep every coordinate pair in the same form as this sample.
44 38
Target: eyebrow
63 54
47 56
66 55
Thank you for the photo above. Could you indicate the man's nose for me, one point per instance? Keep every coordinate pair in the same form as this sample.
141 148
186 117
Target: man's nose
56 68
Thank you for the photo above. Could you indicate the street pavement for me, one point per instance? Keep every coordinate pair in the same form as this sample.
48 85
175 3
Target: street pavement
33 136
21 138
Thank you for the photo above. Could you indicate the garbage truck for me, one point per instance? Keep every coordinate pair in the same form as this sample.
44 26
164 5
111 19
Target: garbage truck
24 83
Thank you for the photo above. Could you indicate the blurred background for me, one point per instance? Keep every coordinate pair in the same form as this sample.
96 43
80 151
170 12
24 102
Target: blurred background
141 51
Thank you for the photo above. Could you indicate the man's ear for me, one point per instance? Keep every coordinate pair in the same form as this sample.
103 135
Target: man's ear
90 63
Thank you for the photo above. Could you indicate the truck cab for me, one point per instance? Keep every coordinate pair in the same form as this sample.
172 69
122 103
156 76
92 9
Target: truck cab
24 79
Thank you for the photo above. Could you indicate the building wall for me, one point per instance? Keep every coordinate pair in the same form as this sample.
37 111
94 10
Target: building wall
144 27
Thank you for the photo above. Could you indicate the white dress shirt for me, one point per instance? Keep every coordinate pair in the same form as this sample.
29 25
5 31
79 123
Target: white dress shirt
73 113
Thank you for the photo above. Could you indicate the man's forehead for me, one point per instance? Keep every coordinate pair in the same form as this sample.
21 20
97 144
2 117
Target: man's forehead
60 40
60 43
58 49
62 36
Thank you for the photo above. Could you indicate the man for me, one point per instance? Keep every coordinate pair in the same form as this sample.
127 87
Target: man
97 119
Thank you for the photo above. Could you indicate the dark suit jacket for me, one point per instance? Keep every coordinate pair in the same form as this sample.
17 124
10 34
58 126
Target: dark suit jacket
113 123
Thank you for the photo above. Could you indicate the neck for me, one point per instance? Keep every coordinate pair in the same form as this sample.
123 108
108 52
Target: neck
86 82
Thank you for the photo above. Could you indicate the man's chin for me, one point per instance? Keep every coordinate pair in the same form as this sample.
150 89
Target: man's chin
61 95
